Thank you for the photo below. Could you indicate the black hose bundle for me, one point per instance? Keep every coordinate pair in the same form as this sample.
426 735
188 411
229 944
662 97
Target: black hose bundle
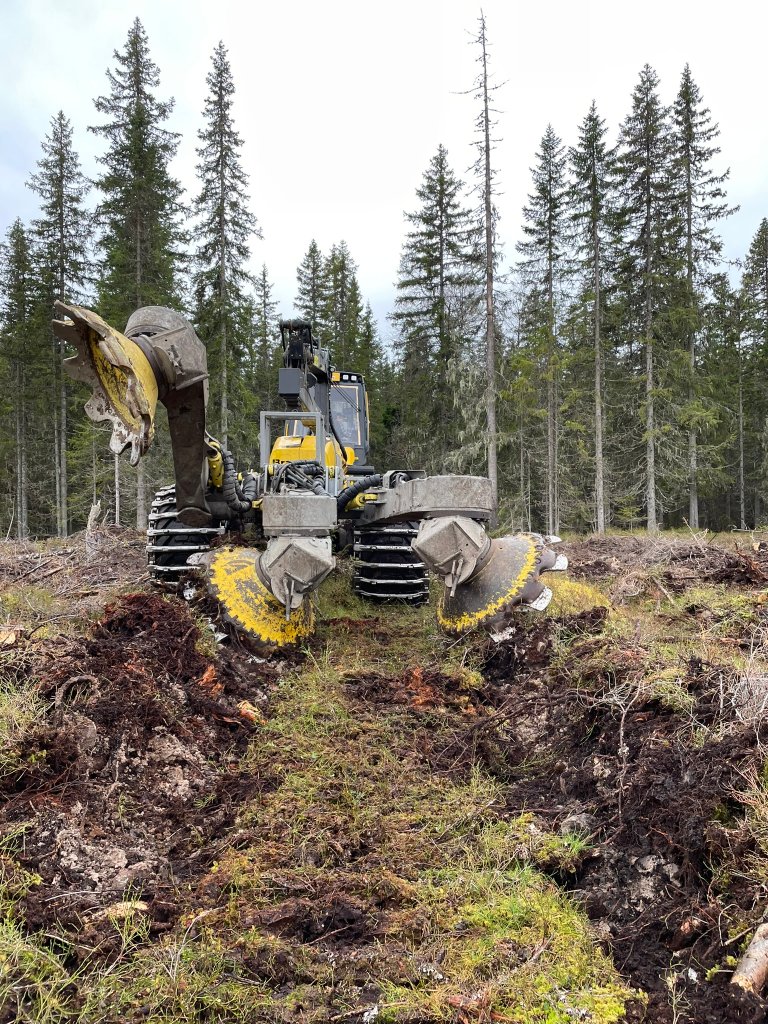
237 500
304 476
347 495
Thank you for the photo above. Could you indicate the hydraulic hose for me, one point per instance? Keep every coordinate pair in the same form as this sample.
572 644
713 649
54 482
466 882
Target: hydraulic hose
234 497
347 495
250 488
305 476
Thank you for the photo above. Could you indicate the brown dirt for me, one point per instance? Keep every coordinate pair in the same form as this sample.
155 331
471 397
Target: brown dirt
133 783
650 811
679 564
134 777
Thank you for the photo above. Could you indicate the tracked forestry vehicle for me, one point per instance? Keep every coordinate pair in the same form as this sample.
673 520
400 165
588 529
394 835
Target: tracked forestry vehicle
312 494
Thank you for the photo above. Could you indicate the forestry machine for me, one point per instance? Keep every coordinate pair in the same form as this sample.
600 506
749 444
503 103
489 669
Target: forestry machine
312 493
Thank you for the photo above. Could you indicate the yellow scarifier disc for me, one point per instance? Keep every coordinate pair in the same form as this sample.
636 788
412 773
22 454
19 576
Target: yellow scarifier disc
246 602
125 389
509 577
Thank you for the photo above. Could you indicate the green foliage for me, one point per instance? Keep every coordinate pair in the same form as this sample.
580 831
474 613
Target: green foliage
437 312
223 233
141 202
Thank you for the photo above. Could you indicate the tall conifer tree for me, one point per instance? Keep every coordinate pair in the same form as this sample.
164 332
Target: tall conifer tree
224 232
141 203
17 338
266 340
141 200
591 163
312 290
545 253
702 199
647 226
756 283
438 292
61 234
343 305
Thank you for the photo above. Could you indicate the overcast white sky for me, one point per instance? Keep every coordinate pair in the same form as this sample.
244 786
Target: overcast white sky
341 104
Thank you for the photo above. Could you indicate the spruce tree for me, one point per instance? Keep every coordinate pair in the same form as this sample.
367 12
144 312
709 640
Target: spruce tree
140 207
266 341
17 342
722 355
224 231
342 309
756 283
437 297
436 262
702 199
647 225
141 204
545 253
754 294
312 293
370 362
61 239
591 164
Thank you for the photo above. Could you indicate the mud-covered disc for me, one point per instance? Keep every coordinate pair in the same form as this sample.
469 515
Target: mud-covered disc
247 603
510 577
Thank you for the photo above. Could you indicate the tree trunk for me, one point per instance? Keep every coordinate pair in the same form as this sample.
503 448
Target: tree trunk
599 466
650 451
490 340
742 504
141 497
56 438
523 502
557 448
550 452
117 490
93 470
22 529
63 455
141 483
19 469
693 486
223 301
650 447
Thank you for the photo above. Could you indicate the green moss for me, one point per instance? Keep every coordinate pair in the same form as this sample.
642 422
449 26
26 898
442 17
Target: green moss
20 710
569 597
510 945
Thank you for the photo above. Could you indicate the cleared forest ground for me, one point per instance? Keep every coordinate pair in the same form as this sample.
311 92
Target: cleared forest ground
389 825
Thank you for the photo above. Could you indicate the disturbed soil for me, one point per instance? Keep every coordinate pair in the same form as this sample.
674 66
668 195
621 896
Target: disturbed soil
132 780
130 786
625 775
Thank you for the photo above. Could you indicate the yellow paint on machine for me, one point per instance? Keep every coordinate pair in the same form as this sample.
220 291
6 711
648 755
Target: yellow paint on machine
234 582
472 619
215 464
293 448
123 371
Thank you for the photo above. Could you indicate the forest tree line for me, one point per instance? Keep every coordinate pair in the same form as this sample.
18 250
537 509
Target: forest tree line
628 360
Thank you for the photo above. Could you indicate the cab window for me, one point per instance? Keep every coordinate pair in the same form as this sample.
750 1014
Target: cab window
345 410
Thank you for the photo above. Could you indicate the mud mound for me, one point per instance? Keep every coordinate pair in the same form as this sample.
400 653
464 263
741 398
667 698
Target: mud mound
620 769
135 771
420 688
679 564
